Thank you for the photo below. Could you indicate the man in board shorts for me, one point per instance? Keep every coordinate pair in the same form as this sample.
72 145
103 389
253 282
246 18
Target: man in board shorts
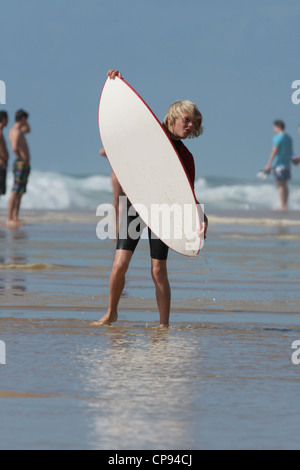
21 167
280 161
21 173
4 156
183 120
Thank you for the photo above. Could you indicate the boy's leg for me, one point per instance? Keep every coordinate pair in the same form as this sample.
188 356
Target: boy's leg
283 194
125 249
159 254
13 205
116 286
1 225
16 208
117 190
163 290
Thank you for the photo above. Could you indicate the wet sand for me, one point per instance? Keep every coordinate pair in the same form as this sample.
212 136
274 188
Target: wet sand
220 378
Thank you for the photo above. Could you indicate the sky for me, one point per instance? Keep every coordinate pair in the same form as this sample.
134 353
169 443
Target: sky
236 60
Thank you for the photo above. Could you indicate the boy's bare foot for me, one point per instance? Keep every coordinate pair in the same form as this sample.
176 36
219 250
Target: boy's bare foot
12 224
163 326
108 319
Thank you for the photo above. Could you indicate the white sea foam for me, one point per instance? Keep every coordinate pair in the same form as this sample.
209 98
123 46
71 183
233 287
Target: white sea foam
55 191
248 195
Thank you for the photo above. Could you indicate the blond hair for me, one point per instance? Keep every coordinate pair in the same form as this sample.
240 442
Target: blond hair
177 109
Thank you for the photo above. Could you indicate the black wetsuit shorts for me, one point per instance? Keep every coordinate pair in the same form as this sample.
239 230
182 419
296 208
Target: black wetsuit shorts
131 227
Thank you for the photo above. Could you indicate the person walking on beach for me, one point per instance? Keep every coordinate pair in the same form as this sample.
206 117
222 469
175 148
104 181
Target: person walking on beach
4 156
183 120
21 167
280 161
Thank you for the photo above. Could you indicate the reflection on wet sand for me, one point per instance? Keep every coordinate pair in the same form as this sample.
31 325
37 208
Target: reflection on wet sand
221 377
142 388
12 255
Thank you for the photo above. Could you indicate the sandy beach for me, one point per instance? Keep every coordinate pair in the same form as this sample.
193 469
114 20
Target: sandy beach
220 377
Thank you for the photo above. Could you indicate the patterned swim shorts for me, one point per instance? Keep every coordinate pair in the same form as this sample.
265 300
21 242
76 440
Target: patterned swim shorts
21 173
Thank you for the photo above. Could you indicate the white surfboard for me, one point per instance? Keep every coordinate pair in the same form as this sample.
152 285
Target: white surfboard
148 167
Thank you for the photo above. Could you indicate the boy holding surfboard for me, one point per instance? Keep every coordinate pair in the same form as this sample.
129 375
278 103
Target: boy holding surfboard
183 120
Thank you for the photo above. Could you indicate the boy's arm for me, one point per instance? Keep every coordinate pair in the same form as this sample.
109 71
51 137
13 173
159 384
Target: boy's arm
271 159
26 128
3 151
15 144
204 229
205 221
205 225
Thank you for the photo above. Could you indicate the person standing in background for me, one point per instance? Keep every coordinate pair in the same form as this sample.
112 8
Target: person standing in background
280 161
4 156
21 166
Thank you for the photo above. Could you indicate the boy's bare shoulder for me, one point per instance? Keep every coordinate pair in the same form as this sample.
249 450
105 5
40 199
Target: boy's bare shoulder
14 133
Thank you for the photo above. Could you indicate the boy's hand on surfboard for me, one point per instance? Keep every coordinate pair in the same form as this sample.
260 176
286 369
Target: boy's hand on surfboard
202 233
112 74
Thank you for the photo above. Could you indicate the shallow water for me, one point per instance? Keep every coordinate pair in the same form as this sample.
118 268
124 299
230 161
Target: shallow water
198 385
220 378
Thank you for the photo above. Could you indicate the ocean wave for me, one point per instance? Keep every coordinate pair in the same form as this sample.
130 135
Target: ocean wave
215 193
56 191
